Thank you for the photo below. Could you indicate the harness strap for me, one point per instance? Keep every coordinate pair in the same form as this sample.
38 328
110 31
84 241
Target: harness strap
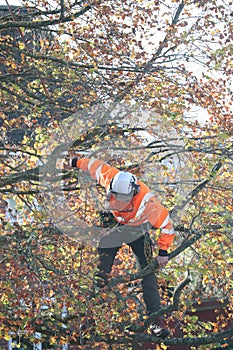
148 249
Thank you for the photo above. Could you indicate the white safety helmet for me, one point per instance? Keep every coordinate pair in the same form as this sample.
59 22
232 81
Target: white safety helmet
123 186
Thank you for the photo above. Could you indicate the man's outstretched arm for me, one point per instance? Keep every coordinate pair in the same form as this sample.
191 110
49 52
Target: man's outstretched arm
98 169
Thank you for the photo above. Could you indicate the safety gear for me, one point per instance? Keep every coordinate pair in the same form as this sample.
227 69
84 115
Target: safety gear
145 207
123 186
74 162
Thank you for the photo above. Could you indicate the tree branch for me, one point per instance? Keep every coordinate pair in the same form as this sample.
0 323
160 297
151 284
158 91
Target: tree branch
138 338
38 24
154 264
197 189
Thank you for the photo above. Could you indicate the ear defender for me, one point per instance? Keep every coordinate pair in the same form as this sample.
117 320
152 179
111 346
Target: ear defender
109 191
136 188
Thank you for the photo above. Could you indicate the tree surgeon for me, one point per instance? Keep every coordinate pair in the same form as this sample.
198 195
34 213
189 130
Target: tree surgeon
135 209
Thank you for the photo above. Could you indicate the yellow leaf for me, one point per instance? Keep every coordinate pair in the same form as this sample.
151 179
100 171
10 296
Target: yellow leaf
21 46
7 337
52 340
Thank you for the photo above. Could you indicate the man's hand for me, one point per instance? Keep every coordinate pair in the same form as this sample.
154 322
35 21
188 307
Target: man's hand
162 260
70 163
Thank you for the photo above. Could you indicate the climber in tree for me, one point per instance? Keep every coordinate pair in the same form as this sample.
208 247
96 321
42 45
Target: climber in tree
135 209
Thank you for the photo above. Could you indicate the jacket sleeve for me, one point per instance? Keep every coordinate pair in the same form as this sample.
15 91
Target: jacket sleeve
98 169
167 236
160 219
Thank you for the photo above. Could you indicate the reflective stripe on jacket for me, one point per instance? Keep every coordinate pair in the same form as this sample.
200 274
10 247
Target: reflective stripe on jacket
144 206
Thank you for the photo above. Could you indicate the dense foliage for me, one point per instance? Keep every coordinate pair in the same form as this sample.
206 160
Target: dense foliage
145 86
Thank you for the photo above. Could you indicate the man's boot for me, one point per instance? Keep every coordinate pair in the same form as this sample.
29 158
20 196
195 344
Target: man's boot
158 329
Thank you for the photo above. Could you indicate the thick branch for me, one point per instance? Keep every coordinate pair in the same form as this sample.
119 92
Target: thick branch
141 338
31 174
215 338
38 24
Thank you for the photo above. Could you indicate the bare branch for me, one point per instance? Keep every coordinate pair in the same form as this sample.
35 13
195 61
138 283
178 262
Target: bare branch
197 189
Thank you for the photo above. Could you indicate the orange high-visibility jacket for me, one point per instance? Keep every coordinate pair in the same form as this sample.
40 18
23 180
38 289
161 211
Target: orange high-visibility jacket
145 207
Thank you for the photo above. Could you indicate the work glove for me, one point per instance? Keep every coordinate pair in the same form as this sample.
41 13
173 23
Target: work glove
163 252
74 162
70 163
162 258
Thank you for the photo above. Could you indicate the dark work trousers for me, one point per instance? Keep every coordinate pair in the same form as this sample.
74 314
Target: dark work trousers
107 255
